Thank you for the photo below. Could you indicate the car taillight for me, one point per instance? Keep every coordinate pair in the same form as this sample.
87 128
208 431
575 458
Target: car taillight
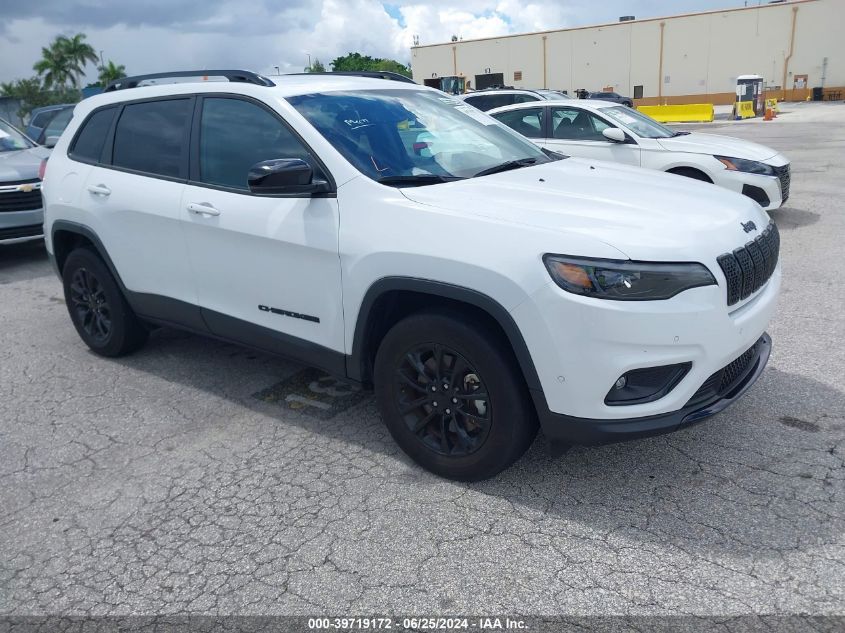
42 169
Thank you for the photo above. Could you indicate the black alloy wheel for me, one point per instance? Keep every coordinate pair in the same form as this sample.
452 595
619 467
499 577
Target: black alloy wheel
443 400
88 300
451 393
97 307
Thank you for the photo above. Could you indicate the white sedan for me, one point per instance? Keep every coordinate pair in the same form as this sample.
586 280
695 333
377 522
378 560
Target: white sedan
608 131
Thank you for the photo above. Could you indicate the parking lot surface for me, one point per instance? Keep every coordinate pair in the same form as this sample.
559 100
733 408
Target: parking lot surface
192 478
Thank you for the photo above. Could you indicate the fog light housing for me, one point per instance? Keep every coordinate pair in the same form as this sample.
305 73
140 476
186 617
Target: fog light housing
645 385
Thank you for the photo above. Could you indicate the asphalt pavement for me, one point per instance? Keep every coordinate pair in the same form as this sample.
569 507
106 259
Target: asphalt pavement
190 477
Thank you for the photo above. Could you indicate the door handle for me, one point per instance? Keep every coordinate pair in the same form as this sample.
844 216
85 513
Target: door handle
99 190
202 208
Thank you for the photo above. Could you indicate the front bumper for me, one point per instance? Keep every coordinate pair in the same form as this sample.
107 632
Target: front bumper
770 192
568 430
20 226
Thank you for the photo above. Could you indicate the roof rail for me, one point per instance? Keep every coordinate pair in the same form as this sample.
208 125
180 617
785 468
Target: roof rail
242 76
373 74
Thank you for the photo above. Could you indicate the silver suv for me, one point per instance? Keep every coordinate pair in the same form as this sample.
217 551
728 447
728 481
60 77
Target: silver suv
21 209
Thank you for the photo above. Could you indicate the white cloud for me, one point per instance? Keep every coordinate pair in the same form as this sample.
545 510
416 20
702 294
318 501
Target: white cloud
157 35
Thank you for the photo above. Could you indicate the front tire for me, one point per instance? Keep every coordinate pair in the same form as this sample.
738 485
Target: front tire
97 308
452 396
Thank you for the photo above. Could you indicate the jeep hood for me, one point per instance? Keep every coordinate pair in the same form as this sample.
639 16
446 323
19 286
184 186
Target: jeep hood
713 144
645 214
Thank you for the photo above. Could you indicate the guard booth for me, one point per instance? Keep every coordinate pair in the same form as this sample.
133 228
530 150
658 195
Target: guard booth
749 90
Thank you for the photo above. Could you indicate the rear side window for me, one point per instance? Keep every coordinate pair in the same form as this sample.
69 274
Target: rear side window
152 137
89 143
57 125
490 101
41 119
528 122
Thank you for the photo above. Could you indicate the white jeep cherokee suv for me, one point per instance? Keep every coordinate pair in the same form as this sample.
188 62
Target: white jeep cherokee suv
396 237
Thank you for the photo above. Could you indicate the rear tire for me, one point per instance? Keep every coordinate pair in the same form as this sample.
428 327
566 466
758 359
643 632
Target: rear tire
97 308
452 396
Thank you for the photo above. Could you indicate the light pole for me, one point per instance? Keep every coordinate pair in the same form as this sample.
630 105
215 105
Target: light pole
309 60
278 72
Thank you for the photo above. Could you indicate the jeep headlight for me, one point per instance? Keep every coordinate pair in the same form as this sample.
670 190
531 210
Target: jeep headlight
625 280
748 166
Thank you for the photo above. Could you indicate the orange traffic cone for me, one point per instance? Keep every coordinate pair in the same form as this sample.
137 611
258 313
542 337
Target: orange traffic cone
768 116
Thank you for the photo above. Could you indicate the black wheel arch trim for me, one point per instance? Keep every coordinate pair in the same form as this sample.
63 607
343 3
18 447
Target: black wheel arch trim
147 306
91 236
356 363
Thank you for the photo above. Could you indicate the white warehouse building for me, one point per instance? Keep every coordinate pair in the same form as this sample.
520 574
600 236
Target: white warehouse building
796 46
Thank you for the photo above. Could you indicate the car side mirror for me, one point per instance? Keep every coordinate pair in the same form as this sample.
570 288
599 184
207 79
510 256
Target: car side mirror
51 141
614 134
291 176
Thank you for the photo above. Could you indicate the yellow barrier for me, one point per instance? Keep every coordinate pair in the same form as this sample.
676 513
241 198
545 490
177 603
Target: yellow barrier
773 104
745 110
689 113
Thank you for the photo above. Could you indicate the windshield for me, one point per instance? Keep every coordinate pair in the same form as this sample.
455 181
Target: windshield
642 125
399 136
11 139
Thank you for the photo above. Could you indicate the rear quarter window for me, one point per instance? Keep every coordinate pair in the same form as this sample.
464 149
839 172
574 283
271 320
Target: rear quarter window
88 146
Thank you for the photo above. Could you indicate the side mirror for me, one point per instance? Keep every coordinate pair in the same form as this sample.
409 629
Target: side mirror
51 141
614 134
292 176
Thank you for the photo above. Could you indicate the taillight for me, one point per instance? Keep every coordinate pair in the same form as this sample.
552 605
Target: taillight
42 169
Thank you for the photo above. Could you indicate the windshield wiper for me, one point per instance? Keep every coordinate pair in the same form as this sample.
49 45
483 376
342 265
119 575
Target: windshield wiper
678 133
416 180
506 166
552 154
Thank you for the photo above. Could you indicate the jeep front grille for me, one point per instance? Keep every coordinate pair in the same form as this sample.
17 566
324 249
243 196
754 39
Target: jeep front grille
749 267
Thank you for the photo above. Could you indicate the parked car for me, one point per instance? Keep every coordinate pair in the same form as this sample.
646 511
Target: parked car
608 131
49 121
498 97
613 97
477 282
21 213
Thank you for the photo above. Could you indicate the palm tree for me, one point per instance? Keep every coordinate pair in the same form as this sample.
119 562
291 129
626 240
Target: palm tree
111 72
78 53
54 67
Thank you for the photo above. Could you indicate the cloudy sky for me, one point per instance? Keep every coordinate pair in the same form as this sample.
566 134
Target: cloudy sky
155 35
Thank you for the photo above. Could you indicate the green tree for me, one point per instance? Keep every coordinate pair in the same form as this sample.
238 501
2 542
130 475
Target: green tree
111 72
79 53
393 66
358 62
63 62
55 68
31 94
316 67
